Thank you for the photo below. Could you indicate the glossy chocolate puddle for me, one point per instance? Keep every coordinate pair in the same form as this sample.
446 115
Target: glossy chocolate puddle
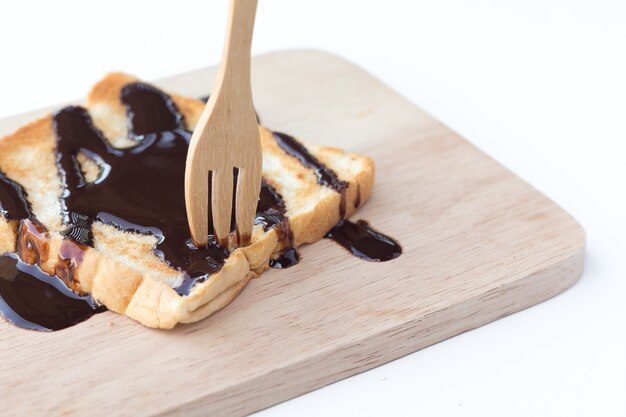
35 300
364 242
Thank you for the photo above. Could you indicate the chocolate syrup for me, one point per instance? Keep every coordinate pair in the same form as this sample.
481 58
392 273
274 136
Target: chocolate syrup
13 202
29 297
271 211
140 188
325 176
359 238
287 259
364 242
32 299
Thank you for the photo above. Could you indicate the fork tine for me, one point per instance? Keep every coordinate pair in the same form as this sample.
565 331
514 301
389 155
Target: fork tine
197 203
221 204
247 196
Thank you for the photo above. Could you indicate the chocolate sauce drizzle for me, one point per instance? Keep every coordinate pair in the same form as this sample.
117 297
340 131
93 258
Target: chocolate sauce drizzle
29 297
325 176
271 211
365 242
359 238
13 202
139 189
287 259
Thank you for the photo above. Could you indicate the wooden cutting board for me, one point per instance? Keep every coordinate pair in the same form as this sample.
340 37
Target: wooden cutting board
479 244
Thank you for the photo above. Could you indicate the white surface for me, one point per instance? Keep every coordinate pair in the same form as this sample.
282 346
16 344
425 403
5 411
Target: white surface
539 85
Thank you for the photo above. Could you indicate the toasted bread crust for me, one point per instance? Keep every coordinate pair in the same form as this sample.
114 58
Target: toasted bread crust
121 270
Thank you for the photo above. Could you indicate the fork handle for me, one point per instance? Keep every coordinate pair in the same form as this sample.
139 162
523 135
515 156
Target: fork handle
235 67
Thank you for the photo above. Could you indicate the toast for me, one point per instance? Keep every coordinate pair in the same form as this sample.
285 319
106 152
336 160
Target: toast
120 269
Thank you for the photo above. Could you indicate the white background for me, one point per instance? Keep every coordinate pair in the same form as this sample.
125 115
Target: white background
539 85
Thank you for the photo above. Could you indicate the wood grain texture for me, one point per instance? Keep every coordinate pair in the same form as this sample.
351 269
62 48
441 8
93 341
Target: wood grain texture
479 244
225 138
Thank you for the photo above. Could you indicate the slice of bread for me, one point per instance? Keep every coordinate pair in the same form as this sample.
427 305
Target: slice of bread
122 271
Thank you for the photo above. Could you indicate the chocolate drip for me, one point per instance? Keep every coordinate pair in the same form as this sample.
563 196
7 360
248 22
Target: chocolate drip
13 202
364 242
149 110
359 238
271 213
271 210
29 297
140 188
325 176
270 200
32 299
287 259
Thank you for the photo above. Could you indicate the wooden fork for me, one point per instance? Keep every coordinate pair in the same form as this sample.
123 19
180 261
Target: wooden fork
226 139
